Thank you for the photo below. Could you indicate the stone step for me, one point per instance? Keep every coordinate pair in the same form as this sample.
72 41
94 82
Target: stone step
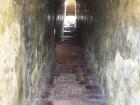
97 102
77 97
92 87
96 96
68 102
93 91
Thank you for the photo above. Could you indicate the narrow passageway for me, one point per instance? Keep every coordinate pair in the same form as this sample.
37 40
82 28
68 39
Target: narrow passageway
69 52
71 82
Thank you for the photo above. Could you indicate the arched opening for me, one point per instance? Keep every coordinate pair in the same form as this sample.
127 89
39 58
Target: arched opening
70 7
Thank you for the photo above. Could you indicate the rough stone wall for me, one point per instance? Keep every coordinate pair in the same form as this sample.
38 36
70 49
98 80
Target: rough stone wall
60 12
26 40
112 38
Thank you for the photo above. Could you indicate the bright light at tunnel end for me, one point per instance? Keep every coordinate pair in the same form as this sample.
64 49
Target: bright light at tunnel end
70 19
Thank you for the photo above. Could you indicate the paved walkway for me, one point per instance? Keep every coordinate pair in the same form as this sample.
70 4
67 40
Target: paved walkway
70 83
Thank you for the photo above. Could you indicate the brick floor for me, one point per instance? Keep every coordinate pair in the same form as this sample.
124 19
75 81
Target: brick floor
71 82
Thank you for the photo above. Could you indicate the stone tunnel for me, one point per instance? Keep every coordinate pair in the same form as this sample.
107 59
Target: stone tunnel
99 65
